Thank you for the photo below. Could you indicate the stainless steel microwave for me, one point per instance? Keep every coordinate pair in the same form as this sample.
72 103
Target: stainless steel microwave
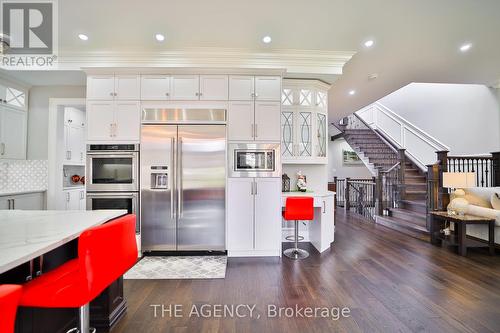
254 160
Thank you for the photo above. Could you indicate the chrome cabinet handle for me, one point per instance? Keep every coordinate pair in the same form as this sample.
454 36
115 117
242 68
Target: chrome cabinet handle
256 131
115 129
167 94
173 171
251 129
13 203
179 177
81 156
251 189
324 207
9 204
2 148
256 188
67 196
111 130
69 152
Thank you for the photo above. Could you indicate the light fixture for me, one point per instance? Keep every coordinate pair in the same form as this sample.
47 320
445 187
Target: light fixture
267 39
352 92
83 37
465 47
458 181
369 43
160 37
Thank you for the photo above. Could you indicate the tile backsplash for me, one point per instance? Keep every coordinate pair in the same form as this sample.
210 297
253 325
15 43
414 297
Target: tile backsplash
23 175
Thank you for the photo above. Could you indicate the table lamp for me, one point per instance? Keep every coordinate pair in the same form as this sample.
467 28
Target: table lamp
458 181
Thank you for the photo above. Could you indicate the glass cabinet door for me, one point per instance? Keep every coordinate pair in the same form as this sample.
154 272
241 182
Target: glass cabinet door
287 130
321 134
304 134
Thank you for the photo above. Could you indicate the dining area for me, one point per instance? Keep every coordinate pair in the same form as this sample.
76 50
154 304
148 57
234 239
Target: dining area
57 265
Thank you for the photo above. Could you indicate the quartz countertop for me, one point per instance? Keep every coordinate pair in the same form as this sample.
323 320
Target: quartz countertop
308 194
27 234
17 192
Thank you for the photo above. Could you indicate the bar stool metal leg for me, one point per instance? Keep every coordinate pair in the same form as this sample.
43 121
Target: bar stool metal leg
83 321
295 252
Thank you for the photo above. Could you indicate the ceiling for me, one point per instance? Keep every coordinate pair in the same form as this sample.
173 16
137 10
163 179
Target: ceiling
415 41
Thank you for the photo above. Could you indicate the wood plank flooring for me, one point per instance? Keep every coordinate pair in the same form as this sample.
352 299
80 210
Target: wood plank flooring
389 281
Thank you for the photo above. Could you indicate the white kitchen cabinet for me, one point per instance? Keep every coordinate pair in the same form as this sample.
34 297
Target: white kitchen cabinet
241 88
254 223
113 121
74 117
74 139
304 122
185 87
240 203
13 133
14 97
268 214
101 87
28 201
113 87
267 88
75 199
214 87
155 87
241 121
267 121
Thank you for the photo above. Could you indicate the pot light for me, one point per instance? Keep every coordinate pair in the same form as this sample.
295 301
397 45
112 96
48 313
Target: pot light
160 37
83 37
352 92
267 39
369 43
465 47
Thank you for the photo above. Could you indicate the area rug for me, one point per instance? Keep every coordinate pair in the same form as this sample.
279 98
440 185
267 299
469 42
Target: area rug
193 267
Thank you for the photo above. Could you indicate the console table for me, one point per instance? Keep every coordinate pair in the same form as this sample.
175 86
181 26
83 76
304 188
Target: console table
459 238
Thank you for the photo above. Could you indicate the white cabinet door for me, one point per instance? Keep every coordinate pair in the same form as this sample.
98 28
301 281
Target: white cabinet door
268 88
4 203
74 139
127 121
100 120
30 201
241 88
155 87
72 199
100 87
241 121
13 135
214 87
185 87
240 203
268 214
267 121
127 87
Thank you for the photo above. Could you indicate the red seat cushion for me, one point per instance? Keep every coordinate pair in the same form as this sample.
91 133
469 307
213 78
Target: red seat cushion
105 253
9 299
299 208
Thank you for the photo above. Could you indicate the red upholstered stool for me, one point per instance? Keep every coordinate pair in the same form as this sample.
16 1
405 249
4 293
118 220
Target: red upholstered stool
298 208
105 253
9 299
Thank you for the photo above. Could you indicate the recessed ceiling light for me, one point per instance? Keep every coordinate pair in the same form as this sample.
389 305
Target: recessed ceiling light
465 47
267 39
352 92
160 37
83 37
369 43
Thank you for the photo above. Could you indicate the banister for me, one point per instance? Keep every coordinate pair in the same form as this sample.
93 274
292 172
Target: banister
395 150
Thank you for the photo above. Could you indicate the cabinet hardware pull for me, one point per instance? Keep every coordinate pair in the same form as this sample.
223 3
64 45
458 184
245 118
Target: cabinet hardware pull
256 130
111 94
255 188
13 203
69 154
2 148
167 94
251 129
251 189
8 203
324 207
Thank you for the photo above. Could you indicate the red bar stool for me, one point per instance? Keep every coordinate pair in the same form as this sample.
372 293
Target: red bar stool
9 299
105 253
298 208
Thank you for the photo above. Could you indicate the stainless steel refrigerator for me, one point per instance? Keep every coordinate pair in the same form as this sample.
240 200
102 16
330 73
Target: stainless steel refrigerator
183 182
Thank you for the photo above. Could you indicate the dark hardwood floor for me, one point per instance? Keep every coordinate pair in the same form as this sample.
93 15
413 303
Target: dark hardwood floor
390 282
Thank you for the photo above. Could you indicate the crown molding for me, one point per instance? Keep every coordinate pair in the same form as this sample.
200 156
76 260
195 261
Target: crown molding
294 61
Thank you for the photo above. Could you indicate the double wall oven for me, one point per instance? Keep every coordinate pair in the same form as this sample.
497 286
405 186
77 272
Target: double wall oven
113 177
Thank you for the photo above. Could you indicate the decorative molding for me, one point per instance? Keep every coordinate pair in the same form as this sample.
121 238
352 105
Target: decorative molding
295 61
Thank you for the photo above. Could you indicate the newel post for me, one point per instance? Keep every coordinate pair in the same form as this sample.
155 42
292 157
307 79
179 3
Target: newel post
496 168
347 190
380 193
402 172
443 198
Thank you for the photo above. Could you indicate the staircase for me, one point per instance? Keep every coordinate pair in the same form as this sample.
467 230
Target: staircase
377 154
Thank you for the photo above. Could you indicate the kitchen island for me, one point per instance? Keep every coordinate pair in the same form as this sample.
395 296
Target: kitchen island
35 242
321 231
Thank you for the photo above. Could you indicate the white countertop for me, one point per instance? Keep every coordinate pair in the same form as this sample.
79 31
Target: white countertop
17 192
27 234
308 194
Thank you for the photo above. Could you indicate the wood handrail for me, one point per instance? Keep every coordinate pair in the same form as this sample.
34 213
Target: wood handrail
394 149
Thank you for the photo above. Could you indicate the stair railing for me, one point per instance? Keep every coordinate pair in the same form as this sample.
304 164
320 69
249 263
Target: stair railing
360 197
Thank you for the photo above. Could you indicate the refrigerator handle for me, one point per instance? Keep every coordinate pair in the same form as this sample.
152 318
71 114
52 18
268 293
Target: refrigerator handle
179 179
172 172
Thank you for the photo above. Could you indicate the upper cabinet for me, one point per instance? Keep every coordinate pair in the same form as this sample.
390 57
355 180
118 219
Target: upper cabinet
113 121
304 122
155 87
74 136
214 87
185 87
13 133
14 97
259 88
113 87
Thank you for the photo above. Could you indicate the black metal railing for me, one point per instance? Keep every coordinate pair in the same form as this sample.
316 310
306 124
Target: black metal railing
482 166
357 196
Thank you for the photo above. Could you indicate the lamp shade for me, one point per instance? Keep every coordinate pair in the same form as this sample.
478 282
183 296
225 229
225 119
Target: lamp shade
459 179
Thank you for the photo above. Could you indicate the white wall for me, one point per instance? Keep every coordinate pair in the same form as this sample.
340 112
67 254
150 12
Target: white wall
464 117
337 168
38 115
316 175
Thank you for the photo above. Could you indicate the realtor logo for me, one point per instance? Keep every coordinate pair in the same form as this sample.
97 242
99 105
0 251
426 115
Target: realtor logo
28 39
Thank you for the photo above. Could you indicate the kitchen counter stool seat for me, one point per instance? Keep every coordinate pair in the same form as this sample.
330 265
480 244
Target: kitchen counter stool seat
9 299
105 253
298 208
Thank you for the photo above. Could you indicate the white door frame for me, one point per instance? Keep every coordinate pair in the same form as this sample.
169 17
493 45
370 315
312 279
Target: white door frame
55 181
